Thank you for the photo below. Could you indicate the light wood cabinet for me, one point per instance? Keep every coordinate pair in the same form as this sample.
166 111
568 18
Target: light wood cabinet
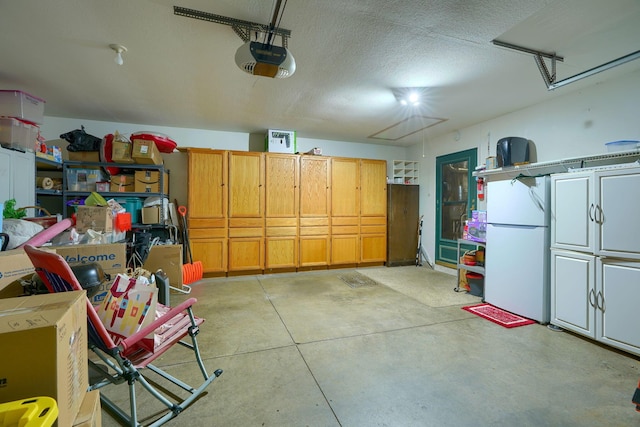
246 210
251 211
315 206
373 211
207 207
345 211
281 210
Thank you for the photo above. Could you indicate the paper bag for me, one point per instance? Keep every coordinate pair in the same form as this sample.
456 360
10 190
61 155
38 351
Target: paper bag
129 306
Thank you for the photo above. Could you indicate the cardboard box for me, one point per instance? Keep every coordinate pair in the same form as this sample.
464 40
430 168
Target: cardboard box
14 265
112 257
145 152
280 141
122 183
90 413
121 152
84 156
97 218
47 335
151 215
167 258
148 181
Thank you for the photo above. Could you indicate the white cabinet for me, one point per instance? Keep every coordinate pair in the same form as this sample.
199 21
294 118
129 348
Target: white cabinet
617 298
18 170
593 212
570 204
573 282
595 256
596 297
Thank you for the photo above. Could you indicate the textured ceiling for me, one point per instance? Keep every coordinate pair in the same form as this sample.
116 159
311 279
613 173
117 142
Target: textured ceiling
180 72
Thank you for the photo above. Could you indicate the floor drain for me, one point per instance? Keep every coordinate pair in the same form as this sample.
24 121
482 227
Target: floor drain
357 280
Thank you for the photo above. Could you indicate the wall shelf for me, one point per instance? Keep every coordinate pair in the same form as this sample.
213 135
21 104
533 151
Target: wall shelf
405 172
558 166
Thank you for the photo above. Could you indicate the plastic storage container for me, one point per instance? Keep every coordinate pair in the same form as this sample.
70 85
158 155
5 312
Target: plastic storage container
16 134
15 103
476 284
624 145
133 205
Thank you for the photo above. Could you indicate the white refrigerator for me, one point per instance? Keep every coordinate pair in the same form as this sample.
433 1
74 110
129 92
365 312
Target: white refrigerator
517 252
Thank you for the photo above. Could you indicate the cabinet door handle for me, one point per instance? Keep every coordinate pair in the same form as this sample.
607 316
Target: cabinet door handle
601 303
599 214
591 209
593 298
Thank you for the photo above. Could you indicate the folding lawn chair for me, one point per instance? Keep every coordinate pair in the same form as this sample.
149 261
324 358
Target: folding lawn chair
126 361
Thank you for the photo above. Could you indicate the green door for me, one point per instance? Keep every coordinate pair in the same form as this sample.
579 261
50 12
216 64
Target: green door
455 199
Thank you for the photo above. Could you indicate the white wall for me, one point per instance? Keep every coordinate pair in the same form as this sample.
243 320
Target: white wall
53 127
573 125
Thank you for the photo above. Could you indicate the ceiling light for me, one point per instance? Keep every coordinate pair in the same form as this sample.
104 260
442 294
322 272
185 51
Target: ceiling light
409 96
119 50
260 59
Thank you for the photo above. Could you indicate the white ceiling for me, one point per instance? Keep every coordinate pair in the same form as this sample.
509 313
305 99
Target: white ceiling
180 72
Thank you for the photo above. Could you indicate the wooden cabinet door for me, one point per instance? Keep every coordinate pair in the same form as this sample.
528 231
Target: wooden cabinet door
246 185
373 187
373 247
315 186
314 250
345 190
344 249
281 185
403 208
212 253
207 207
373 211
281 252
207 183
246 253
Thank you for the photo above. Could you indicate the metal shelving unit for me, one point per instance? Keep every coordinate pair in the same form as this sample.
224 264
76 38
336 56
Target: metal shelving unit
69 194
473 268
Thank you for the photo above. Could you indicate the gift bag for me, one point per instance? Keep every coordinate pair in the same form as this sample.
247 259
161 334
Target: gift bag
129 306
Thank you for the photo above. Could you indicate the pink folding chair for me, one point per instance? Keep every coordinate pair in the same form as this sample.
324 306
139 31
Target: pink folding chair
128 362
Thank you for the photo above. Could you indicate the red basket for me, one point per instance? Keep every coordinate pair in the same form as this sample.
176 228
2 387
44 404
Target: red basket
45 221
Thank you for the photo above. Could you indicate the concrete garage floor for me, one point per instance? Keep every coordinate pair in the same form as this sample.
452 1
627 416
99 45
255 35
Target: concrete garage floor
306 349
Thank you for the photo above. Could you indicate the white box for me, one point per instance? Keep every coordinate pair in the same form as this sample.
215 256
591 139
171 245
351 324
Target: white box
280 141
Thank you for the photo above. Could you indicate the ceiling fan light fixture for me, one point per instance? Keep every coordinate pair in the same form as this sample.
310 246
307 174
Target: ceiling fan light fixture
260 59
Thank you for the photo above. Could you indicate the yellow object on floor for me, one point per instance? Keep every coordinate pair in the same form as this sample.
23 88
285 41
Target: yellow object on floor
32 412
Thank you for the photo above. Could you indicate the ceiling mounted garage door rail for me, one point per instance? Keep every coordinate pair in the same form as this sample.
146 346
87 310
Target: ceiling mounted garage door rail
549 77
